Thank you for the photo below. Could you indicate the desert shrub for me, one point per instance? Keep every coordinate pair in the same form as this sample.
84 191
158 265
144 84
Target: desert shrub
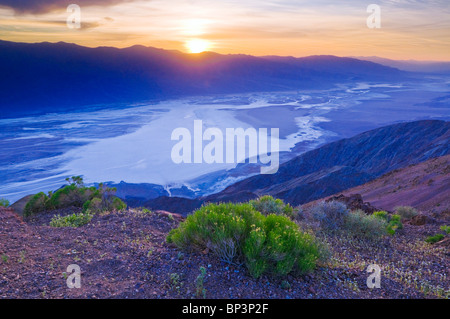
406 212
238 233
118 204
445 229
381 215
331 215
268 205
36 204
104 200
95 205
70 195
77 195
434 239
394 224
4 202
287 248
222 228
199 281
361 225
74 220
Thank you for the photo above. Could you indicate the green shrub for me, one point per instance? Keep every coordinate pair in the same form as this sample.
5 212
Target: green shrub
200 290
237 233
95 205
77 195
118 204
36 204
74 220
4 202
221 228
70 195
394 224
361 225
105 203
406 212
381 215
434 239
267 205
287 248
331 215
445 229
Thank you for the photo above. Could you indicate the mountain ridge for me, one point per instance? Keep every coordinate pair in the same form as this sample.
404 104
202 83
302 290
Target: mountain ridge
333 167
64 76
350 161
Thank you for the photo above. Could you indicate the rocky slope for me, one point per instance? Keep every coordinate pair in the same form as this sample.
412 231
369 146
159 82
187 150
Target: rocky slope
334 167
346 163
425 186
124 255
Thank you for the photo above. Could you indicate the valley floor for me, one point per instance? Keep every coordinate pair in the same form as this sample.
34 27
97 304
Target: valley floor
124 255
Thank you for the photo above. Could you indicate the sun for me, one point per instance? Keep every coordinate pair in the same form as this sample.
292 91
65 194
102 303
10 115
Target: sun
197 45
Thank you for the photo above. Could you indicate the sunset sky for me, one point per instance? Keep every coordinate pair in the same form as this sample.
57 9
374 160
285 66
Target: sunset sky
417 30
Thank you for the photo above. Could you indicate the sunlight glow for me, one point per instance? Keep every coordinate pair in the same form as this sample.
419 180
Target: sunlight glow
197 45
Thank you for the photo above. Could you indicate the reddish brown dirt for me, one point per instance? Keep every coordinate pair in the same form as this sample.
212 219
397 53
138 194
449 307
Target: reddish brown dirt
124 255
425 186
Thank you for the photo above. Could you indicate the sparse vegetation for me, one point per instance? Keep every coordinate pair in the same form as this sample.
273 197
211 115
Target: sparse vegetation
394 224
239 234
175 273
77 195
445 229
330 215
434 239
74 220
36 204
21 259
175 281
406 212
334 217
199 289
267 205
358 224
4 202
382 215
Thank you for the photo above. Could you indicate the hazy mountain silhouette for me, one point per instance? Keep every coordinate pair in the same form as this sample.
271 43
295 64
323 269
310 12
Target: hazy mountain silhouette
43 77
435 67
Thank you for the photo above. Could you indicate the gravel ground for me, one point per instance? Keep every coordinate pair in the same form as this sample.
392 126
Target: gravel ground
124 255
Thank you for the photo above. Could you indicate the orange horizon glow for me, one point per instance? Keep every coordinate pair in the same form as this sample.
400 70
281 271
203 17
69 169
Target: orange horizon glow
197 45
285 28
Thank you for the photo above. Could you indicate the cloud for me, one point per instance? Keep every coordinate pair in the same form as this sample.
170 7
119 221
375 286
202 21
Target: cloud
40 7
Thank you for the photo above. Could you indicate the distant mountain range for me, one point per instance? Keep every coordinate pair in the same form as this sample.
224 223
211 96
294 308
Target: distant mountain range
51 77
435 67
334 167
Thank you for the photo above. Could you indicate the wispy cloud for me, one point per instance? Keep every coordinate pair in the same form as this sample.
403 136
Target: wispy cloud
410 29
40 7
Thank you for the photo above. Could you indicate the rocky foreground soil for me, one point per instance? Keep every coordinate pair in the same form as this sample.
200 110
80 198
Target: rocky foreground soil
124 255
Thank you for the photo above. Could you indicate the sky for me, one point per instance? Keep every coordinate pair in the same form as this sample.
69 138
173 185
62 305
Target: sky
409 29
